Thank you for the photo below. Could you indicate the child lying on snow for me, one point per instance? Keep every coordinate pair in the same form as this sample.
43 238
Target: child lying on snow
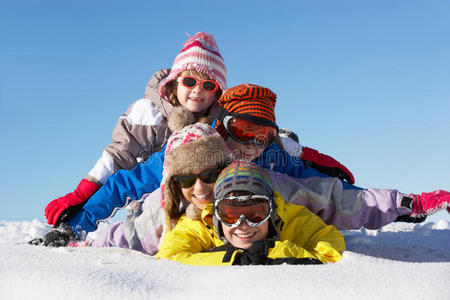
250 224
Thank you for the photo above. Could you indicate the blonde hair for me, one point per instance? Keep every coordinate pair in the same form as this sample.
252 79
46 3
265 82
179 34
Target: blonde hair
172 85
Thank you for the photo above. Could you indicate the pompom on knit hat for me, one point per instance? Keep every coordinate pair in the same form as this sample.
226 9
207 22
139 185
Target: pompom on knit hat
200 53
249 101
191 149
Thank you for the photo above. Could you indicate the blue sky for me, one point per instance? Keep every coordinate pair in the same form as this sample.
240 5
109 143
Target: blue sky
367 82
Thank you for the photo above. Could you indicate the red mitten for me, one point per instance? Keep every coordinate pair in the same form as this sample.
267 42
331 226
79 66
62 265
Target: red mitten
428 203
326 164
84 191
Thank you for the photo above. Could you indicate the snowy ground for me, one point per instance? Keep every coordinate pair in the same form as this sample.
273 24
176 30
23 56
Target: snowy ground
401 261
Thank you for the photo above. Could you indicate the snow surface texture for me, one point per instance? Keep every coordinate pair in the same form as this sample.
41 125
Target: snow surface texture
400 261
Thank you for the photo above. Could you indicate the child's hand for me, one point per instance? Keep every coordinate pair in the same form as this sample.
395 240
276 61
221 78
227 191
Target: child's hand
58 237
426 204
326 164
59 210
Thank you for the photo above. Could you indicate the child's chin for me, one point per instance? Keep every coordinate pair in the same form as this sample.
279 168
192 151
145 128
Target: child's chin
242 244
202 203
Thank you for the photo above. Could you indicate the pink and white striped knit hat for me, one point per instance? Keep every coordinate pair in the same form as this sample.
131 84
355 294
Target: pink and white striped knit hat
200 53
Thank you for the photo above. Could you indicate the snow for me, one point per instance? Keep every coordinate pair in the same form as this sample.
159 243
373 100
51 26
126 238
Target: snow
400 261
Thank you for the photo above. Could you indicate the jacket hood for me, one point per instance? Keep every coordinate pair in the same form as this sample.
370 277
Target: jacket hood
152 92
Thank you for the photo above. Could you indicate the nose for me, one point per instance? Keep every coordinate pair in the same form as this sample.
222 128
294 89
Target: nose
199 185
197 89
244 225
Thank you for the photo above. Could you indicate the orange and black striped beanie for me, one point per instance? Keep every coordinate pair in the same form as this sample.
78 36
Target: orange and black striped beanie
248 99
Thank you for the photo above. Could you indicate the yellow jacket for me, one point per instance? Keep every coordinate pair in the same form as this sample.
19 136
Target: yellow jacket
302 234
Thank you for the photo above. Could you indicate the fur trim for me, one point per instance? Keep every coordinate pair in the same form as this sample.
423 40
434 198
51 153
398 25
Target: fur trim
197 155
168 198
179 118
193 213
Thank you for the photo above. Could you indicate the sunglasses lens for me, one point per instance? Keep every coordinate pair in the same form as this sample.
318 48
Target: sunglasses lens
186 181
209 176
247 131
189 81
209 85
255 210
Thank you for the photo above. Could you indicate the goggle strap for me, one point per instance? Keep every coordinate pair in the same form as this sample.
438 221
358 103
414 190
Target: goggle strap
252 119
222 113
243 218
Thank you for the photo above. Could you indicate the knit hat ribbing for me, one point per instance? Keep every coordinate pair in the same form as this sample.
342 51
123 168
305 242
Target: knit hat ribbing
250 100
200 53
243 176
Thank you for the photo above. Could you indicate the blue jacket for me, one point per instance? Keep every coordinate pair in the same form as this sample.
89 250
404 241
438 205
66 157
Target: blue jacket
120 188
126 185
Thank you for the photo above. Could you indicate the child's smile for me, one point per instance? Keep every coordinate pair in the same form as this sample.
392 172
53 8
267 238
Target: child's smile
244 235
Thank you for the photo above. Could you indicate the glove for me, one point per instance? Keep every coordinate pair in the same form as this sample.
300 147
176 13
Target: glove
256 254
428 203
294 261
409 219
64 208
408 203
326 164
59 236
36 242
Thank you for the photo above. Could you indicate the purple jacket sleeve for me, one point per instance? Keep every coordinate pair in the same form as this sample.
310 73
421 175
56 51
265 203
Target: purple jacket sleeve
141 232
343 208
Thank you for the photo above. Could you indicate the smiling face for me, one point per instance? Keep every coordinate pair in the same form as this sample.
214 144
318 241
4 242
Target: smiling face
200 194
196 99
244 235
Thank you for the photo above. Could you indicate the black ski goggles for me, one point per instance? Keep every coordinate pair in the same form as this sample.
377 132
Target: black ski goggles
253 209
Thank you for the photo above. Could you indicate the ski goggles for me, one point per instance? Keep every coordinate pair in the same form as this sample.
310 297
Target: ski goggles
191 82
208 176
253 209
247 132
